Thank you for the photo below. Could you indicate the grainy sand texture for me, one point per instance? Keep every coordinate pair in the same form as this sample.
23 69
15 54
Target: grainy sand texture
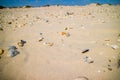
61 43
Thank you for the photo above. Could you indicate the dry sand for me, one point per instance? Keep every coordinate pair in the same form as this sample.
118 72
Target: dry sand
90 27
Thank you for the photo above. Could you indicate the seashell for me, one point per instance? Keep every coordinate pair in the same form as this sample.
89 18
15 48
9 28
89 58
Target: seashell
81 78
1 51
91 61
66 28
41 39
1 29
12 47
21 44
67 34
85 50
48 43
115 46
12 51
63 33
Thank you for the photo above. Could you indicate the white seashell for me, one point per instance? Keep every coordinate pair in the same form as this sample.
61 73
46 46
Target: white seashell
81 78
115 46
41 39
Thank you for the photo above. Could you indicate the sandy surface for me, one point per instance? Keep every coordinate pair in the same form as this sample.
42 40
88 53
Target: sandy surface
70 29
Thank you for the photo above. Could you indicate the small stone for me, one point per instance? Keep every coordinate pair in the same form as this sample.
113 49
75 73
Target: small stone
1 51
115 46
85 50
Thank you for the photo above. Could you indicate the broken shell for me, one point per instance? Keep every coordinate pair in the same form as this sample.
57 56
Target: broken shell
1 51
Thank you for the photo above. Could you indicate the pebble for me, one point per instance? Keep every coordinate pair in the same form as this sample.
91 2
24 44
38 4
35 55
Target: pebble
85 50
115 46
1 51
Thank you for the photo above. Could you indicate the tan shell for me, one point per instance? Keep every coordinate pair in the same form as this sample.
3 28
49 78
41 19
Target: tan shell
1 51
20 44
48 43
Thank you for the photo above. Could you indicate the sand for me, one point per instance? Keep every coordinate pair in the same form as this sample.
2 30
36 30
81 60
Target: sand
55 38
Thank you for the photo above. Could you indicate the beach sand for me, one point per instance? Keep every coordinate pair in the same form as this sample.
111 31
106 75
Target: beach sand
55 38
